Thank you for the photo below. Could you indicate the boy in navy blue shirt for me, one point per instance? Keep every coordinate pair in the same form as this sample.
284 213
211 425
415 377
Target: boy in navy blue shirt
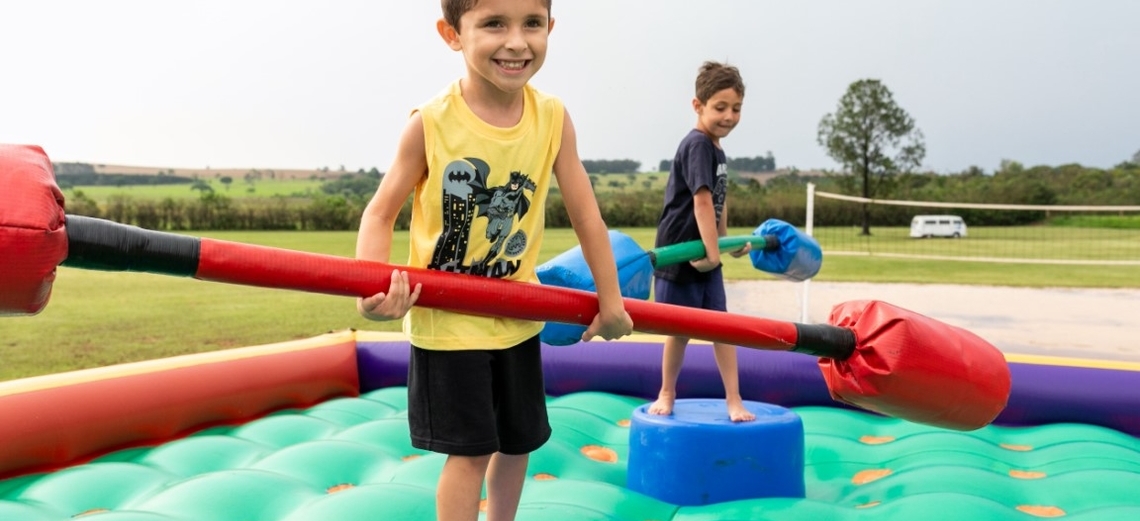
696 209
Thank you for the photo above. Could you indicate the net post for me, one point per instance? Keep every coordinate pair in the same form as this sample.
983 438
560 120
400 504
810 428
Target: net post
809 221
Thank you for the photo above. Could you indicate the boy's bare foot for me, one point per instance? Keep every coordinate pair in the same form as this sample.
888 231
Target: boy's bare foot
737 412
663 406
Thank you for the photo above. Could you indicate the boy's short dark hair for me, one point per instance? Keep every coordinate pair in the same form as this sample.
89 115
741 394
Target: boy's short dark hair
715 77
453 10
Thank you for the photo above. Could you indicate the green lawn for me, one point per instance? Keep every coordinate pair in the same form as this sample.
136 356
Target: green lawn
238 189
631 183
100 318
604 183
1062 243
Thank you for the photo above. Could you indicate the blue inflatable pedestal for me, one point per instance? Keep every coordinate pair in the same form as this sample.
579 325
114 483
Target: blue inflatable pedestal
697 456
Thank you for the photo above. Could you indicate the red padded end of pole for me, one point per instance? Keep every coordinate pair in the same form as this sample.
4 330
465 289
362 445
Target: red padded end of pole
32 237
913 367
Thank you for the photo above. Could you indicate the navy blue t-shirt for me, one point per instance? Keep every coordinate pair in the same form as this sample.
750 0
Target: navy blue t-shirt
698 164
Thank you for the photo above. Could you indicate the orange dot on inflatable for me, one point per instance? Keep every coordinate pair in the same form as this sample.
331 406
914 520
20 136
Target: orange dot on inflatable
1018 448
1041 510
1026 474
624 422
866 476
92 511
339 488
410 457
876 440
598 453
542 476
869 504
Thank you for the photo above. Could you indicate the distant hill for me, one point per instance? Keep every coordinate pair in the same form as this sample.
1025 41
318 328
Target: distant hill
207 173
764 177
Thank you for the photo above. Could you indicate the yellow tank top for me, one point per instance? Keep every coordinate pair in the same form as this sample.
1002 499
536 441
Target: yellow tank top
481 210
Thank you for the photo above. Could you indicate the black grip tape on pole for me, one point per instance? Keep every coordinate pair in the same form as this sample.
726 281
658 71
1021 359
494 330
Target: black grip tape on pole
98 244
825 341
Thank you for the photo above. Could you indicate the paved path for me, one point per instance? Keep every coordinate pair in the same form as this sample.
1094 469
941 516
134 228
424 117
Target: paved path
1087 323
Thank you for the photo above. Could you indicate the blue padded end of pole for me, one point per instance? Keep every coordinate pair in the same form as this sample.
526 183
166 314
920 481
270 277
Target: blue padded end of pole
569 270
798 258
698 456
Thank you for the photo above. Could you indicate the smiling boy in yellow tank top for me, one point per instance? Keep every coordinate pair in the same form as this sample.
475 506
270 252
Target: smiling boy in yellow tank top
479 159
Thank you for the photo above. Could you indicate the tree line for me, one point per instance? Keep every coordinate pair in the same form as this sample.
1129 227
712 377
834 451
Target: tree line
766 163
69 175
881 148
340 202
878 144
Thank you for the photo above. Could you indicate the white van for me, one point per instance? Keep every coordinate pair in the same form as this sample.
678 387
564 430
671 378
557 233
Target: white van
937 226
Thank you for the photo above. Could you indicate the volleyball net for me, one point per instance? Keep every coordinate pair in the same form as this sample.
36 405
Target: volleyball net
960 231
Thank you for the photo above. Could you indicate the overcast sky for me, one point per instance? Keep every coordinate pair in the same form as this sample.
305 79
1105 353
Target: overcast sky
304 84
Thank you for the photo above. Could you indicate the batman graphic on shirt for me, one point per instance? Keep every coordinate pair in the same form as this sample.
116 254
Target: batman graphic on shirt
467 196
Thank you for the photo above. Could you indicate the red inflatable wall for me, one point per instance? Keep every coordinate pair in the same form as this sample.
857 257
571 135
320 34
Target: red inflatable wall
59 420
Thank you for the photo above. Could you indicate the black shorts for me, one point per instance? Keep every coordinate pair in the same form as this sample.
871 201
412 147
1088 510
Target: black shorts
702 295
478 402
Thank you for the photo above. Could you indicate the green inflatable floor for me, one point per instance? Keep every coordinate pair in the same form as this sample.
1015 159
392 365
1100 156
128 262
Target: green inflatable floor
350 460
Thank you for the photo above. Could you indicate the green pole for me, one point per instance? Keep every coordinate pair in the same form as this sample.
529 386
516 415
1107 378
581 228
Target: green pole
693 250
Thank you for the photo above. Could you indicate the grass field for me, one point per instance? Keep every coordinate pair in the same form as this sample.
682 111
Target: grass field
100 318
1037 243
298 185
238 189
644 181
207 172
